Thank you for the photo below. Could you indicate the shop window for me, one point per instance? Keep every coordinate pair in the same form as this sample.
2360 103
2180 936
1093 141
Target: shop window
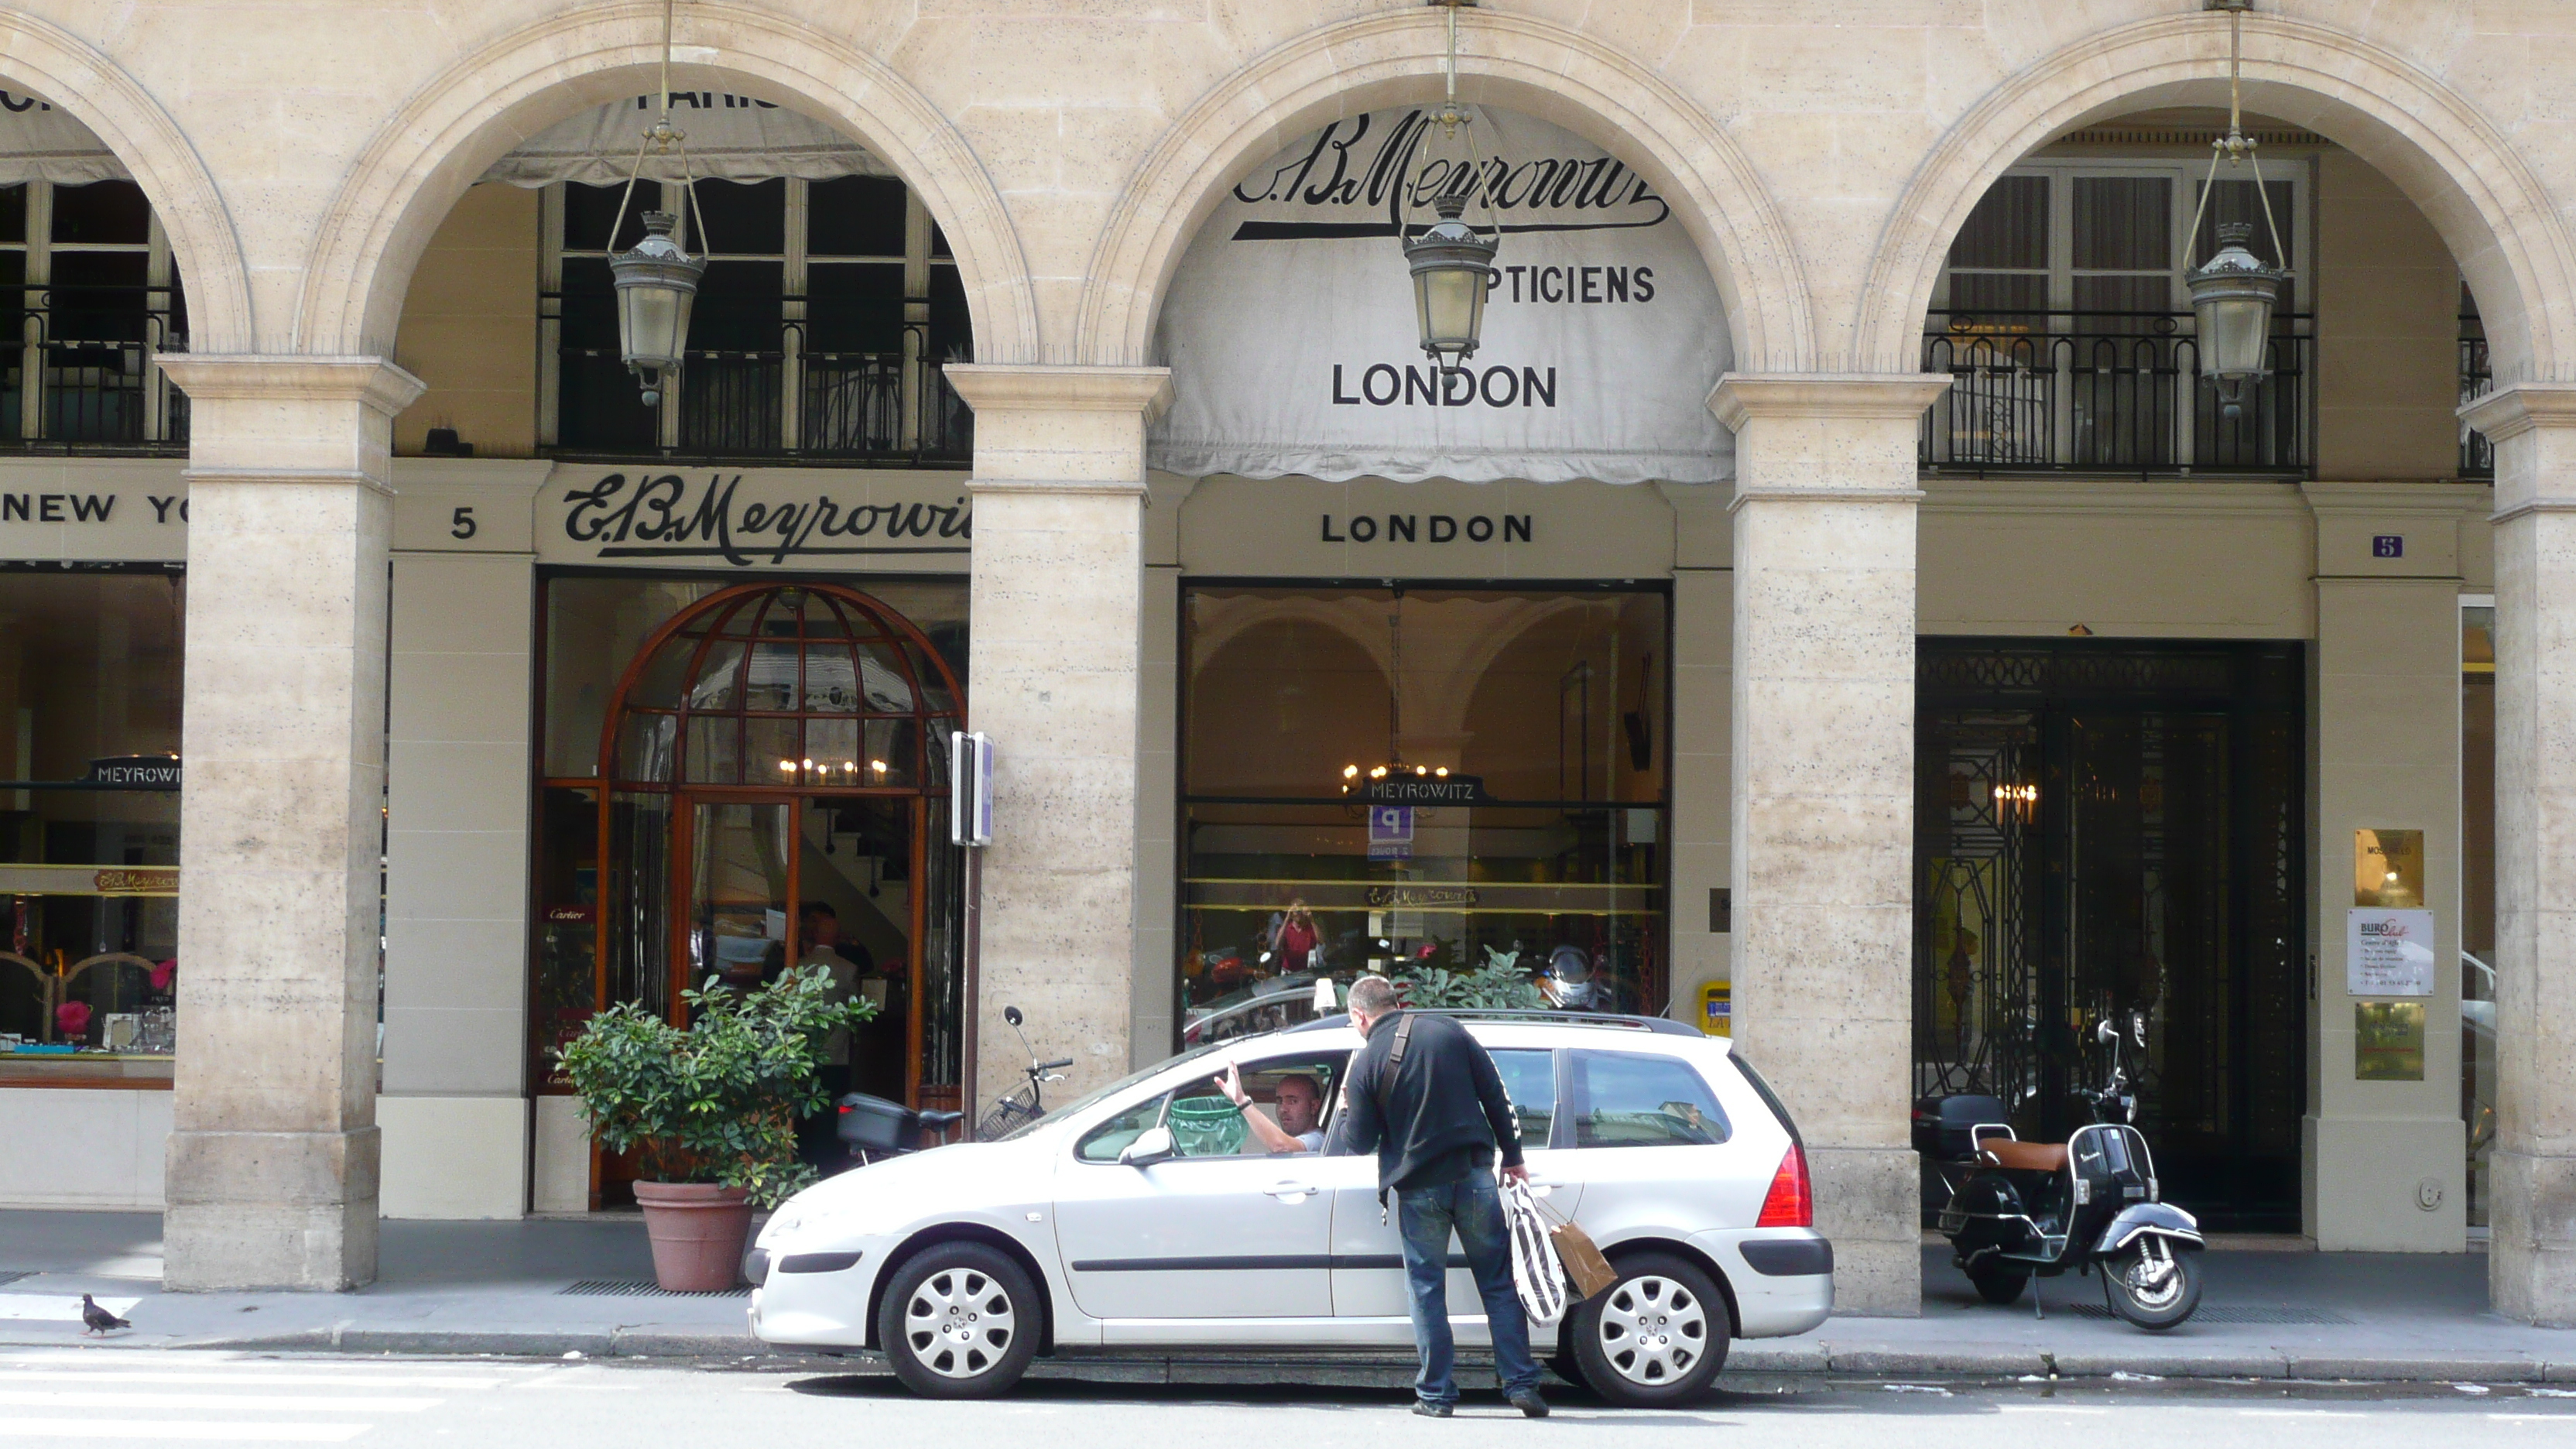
819 330
2478 896
89 824
2064 323
772 789
1534 725
88 283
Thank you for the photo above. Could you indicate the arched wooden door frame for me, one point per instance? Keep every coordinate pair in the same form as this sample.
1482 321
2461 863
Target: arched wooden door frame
721 608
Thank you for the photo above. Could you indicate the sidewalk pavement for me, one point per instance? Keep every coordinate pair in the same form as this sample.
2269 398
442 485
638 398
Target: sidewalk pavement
551 1287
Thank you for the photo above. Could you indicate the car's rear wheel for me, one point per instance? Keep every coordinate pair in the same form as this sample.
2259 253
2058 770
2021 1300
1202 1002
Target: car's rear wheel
959 1321
1658 1336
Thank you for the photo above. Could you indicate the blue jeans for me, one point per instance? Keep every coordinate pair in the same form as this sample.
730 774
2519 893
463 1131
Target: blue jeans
1474 1210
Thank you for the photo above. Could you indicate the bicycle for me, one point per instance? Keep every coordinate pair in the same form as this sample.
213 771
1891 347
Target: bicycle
1025 1103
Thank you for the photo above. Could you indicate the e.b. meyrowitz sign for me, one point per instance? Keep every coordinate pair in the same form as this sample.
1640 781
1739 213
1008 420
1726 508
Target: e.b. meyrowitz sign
1291 334
739 518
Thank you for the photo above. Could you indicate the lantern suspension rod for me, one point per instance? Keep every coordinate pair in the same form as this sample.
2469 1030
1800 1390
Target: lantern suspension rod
662 141
2236 146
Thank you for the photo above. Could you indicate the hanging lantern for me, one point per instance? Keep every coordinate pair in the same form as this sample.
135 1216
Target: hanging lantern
657 283
2233 294
1451 267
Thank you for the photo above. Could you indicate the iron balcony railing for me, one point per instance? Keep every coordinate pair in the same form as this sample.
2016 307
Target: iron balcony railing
86 370
2108 392
2477 374
790 399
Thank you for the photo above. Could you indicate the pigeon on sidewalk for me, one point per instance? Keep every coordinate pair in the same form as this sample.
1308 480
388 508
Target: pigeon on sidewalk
97 1319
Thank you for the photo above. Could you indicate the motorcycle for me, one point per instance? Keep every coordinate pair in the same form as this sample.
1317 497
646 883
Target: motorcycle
875 1128
2019 1209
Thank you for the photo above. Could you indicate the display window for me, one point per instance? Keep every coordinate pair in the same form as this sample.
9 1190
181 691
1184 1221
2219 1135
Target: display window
1400 780
739 776
89 825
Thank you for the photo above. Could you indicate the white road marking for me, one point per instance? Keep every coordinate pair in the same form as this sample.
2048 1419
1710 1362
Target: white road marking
2051 1409
149 1430
320 1403
2301 1414
169 1376
54 1308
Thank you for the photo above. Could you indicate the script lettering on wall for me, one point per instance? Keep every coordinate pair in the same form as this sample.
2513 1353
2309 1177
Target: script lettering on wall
667 516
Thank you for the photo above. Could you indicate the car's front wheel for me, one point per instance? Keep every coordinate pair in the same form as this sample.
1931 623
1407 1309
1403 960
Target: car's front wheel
1658 1336
959 1321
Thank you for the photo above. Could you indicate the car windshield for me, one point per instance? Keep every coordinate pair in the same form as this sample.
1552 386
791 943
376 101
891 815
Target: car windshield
1058 1114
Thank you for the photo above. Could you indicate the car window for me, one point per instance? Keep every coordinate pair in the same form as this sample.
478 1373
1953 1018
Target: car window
1104 1142
1627 1099
1529 1078
1205 1123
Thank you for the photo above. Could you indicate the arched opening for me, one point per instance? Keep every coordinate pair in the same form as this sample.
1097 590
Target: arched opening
774 791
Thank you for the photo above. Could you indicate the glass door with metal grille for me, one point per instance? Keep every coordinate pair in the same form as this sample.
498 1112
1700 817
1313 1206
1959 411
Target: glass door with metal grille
2106 829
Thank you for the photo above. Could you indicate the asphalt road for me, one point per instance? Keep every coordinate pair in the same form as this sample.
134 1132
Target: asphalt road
141 1396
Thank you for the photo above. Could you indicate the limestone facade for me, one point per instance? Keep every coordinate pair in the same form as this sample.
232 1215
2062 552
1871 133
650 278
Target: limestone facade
316 181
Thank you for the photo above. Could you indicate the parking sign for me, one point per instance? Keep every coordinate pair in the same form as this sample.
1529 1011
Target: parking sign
1390 832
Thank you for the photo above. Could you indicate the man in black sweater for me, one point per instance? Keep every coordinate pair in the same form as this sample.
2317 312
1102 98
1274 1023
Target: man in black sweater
1425 1096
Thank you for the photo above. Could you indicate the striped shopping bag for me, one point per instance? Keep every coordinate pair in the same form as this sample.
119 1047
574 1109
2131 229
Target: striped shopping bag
1535 1271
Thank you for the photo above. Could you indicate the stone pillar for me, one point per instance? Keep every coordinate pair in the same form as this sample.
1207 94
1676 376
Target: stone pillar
272 1165
2531 1259
1823 807
1058 619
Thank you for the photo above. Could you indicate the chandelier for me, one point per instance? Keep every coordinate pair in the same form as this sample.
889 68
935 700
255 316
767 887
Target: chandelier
1356 776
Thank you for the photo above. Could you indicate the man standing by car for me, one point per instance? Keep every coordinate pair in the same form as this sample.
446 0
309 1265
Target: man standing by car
1425 1095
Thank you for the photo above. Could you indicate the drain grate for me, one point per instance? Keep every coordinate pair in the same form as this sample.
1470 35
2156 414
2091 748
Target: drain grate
626 1288
2224 1313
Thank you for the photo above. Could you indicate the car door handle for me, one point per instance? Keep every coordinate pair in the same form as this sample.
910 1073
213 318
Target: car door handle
1290 1191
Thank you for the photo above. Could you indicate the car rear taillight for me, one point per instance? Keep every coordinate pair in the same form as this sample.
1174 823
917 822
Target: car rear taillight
1791 1202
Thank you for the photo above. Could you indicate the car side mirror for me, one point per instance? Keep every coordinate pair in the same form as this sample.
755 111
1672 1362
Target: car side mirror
1152 1145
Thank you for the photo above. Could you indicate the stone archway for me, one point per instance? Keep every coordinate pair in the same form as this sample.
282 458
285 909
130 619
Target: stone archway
434 147
81 78
1511 62
2463 172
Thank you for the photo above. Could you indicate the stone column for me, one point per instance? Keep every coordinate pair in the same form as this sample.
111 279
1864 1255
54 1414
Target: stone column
272 1165
1823 808
2531 1259
1053 674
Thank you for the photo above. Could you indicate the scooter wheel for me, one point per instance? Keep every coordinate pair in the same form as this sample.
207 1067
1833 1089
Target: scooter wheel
2151 1284
1998 1286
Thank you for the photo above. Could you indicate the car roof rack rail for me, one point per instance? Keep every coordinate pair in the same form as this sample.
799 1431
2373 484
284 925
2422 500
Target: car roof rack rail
1660 1025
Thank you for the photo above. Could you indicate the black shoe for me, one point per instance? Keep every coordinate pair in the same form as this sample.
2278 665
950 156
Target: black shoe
1529 1403
1430 1410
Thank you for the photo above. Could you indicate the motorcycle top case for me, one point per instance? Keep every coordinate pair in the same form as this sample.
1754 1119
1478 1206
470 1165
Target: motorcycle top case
873 1124
1942 1125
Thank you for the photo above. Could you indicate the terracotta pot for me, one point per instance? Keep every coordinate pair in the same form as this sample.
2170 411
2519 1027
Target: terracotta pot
698 1231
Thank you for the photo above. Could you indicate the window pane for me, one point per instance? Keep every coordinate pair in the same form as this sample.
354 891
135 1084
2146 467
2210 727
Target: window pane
1975 292
2009 228
854 307
1623 1099
855 216
1529 1079
2121 294
589 209
2123 222
743 218
1104 1142
13 214
2235 201
103 211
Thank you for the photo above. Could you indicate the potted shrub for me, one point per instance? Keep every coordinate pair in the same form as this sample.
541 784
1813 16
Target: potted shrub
1500 984
710 1108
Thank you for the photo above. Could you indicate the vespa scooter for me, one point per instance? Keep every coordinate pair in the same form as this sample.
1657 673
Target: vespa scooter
2022 1208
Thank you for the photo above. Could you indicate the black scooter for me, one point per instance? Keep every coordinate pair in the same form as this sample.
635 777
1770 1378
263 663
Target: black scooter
875 1128
2022 1208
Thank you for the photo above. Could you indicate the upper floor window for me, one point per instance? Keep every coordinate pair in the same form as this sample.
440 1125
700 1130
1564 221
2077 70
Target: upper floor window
820 328
2065 323
88 287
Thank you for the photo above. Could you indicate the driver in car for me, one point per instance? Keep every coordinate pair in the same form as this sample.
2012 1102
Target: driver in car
1301 1112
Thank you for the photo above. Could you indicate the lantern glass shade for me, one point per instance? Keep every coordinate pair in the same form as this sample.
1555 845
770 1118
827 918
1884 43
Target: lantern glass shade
1452 269
657 284
2233 295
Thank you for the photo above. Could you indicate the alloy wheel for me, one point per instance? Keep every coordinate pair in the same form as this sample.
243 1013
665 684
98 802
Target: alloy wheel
1653 1329
959 1322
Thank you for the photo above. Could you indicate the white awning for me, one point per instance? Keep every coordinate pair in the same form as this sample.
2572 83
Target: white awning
729 138
40 143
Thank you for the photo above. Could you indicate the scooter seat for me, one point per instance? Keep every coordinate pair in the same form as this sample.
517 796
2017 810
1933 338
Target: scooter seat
2014 1156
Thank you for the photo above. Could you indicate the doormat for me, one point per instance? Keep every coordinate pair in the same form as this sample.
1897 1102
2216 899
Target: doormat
2225 1313
626 1288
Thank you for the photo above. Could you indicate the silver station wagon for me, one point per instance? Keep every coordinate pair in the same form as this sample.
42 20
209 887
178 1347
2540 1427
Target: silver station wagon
1145 1219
